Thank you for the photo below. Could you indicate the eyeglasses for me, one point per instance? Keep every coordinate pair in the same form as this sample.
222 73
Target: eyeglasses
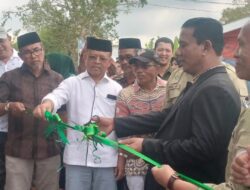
29 53
92 58
125 58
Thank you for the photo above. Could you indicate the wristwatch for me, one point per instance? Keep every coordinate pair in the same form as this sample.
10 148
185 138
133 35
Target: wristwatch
123 155
7 107
171 181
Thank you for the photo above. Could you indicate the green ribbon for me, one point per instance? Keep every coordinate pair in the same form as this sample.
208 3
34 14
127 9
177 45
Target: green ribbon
56 124
92 132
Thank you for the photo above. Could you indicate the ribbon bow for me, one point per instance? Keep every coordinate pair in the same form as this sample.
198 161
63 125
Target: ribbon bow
92 132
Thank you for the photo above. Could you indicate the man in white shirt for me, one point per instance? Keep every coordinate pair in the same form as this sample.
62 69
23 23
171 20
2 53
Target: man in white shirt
9 60
88 94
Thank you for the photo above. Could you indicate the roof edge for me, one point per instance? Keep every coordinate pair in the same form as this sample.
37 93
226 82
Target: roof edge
235 24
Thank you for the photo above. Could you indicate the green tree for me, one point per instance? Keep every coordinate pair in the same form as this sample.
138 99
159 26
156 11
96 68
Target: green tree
232 14
61 22
176 44
151 43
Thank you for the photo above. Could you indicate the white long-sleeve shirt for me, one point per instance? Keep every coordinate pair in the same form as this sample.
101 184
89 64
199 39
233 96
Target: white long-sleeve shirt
84 99
14 62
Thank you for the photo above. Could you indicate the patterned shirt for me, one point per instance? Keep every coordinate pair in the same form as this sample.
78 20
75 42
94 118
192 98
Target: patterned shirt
26 137
134 100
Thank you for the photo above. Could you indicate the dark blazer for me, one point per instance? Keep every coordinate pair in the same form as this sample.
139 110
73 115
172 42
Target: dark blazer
191 136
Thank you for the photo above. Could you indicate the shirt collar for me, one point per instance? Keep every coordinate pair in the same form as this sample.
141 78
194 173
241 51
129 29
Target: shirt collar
15 54
196 77
46 67
167 73
159 83
86 75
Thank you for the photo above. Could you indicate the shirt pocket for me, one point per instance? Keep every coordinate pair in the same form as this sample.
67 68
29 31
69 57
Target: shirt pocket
109 101
174 90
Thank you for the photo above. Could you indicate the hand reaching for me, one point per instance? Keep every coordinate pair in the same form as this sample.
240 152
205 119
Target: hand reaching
106 124
135 143
39 111
16 108
240 168
162 174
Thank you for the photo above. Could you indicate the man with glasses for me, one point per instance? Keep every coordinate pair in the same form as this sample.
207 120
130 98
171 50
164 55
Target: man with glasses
27 148
88 166
9 60
128 48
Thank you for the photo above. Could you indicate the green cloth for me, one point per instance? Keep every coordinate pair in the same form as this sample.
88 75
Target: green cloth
62 64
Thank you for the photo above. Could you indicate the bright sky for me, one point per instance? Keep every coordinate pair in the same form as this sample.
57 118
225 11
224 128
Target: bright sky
165 17
158 18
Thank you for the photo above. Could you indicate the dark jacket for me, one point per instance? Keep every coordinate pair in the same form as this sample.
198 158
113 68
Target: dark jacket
191 136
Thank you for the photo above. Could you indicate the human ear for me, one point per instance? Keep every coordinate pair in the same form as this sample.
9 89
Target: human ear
207 46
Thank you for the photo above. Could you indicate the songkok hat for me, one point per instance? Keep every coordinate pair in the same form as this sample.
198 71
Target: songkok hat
146 57
27 39
91 37
129 43
99 44
3 33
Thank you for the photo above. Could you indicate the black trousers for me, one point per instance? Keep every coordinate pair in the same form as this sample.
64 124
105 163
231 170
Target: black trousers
62 171
3 137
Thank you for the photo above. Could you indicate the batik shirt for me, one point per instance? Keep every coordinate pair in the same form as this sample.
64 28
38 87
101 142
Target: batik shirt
135 100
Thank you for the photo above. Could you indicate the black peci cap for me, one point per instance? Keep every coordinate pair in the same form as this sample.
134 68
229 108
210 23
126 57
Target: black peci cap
27 39
129 43
99 44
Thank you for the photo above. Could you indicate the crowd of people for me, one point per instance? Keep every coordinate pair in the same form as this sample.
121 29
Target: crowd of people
187 110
